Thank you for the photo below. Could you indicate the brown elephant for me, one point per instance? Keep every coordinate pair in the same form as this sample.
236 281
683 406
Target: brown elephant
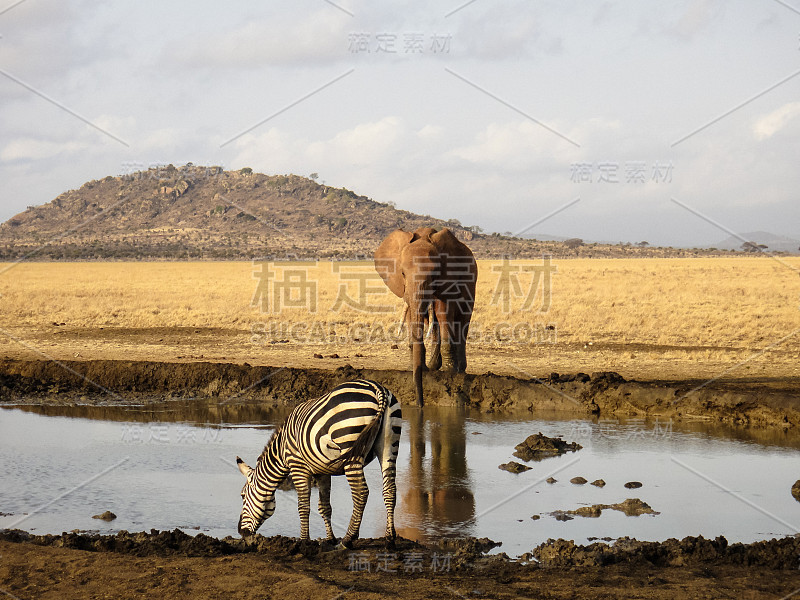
432 271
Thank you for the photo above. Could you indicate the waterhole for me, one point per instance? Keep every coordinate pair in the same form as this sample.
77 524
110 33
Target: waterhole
173 466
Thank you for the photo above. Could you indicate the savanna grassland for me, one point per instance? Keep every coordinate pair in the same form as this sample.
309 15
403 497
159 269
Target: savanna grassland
668 318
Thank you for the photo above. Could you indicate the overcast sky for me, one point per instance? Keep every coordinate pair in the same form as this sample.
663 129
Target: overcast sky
670 122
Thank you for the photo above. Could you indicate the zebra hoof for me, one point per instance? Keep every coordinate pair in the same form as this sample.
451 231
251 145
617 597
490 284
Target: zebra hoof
345 545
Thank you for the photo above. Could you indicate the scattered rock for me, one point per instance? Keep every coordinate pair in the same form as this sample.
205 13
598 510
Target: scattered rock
796 490
334 356
632 485
632 507
551 480
318 355
562 516
106 516
578 480
514 467
539 446
593 511
599 483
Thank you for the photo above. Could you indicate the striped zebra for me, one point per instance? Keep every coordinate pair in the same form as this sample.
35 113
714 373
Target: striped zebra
334 435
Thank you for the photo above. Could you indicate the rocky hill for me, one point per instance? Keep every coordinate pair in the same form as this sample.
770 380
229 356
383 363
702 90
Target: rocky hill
195 212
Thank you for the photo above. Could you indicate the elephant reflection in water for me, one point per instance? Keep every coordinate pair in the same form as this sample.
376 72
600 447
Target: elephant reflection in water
439 499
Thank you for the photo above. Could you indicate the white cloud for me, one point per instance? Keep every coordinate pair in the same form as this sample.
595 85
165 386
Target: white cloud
698 15
374 145
430 133
506 31
772 123
280 39
36 149
521 145
365 144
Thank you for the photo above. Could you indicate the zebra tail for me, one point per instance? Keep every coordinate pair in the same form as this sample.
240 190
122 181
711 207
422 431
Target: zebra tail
363 444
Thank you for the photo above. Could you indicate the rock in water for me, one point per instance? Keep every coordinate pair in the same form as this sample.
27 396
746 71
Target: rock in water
593 511
632 485
578 480
106 516
599 483
539 446
796 490
514 467
632 507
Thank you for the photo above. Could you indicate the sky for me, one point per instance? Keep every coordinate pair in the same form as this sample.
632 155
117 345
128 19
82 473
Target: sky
674 123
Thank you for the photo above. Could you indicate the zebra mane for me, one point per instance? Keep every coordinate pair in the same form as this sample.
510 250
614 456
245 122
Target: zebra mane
275 434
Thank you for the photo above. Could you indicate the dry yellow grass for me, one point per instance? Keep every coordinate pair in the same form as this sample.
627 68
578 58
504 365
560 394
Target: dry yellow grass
707 306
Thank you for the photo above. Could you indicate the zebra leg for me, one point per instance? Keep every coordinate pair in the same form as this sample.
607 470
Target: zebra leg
389 496
302 484
324 483
386 448
354 472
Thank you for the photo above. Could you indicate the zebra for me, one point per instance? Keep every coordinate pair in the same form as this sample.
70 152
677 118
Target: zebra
333 435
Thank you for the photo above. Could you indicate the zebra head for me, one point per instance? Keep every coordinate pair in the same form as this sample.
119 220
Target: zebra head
258 503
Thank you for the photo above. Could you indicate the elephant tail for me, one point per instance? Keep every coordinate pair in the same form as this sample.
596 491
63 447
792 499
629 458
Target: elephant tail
402 322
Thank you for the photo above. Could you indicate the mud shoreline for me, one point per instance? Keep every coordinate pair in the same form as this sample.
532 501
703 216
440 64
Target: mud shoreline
756 402
176 565
463 554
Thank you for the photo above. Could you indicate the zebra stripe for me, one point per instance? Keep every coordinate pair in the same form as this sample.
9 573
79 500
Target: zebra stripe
334 435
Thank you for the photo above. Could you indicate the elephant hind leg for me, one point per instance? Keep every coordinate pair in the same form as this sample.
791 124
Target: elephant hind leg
435 359
447 347
461 345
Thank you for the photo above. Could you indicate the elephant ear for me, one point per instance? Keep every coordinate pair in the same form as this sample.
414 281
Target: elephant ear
387 260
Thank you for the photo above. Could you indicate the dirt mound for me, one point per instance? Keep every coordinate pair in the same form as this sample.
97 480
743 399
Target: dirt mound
632 507
690 551
178 543
539 447
155 543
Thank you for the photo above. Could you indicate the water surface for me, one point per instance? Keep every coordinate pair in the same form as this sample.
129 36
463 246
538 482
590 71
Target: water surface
172 465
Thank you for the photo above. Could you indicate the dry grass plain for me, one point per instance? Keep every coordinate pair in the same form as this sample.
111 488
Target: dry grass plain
676 318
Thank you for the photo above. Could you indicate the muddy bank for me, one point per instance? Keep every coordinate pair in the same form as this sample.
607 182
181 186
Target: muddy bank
462 554
283 570
759 403
690 551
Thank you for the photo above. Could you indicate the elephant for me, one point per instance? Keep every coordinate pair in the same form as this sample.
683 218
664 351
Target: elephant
433 272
